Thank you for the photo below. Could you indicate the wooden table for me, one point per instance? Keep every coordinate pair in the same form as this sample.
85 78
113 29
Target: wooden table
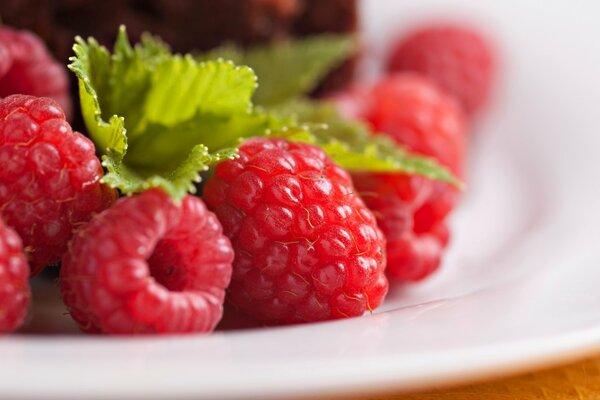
580 381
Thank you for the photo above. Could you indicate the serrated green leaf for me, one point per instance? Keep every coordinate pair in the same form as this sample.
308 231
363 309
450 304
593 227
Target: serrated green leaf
160 119
91 65
227 51
176 183
289 69
187 172
353 146
213 130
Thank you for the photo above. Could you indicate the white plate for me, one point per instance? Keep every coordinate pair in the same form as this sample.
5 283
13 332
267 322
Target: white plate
519 289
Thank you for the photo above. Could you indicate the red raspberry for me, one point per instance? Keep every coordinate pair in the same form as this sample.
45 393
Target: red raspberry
49 179
458 59
307 248
148 266
416 114
26 67
410 210
14 289
414 246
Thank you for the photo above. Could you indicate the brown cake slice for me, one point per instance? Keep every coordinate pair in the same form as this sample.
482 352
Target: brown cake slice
185 24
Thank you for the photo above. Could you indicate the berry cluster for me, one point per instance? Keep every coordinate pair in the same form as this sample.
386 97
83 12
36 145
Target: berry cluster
286 236
49 186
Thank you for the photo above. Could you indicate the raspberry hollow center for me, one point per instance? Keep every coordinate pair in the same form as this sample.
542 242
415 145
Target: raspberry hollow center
167 267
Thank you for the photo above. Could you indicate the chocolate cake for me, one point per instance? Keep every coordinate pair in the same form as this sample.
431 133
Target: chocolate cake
186 25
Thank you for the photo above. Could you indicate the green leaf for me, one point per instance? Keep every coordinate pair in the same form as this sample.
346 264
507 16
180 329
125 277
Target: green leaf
288 69
291 69
215 131
160 119
353 146
91 65
178 182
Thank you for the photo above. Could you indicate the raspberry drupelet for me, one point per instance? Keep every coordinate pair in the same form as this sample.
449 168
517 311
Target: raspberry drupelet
148 266
14 289
49 179
306 247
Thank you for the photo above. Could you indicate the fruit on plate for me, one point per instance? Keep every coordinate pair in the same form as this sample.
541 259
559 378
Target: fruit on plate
410 210
49 179
148 265
14 289
306 247
458 58
26 67
279 164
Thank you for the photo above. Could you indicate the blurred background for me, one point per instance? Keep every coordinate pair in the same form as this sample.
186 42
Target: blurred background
187 25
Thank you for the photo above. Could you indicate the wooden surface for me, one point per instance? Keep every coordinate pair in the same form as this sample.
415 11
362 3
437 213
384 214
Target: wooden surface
580 381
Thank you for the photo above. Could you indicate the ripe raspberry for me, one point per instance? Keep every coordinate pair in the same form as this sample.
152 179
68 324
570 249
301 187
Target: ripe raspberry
306 247
410 210
414 245
14 289
458 59
26 67
148 266
416 114
49 179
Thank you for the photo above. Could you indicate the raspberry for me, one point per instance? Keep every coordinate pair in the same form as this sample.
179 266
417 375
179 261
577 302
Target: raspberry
148 266
26 67
306 247
416 114
49 179
410 210
14 289
458 59
414 245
